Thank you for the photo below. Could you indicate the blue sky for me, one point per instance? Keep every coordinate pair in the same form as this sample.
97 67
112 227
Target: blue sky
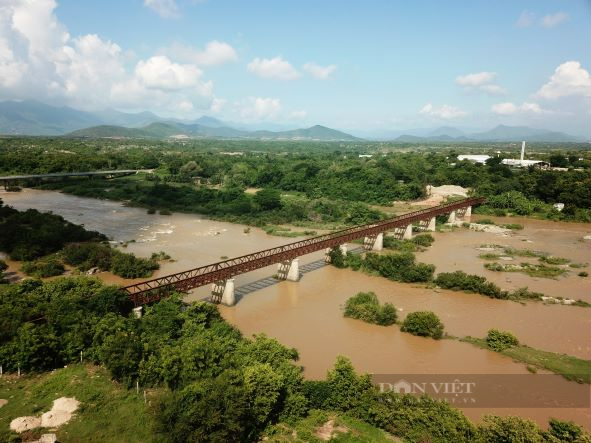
371 65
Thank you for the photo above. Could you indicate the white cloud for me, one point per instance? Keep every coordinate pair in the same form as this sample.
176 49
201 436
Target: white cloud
526 19
275 68
509 108
445 112
298 115
477 79
217 104
569 79
553 20
159 72
259 108
164 8
39 59
320 72
215 53
480 81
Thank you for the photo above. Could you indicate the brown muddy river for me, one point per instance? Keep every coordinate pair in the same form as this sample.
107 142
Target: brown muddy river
307 315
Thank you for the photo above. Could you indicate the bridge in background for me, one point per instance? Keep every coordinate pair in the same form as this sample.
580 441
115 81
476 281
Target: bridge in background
7 180
220 274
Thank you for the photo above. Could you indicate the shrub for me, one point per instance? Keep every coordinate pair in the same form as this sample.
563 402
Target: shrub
565 431
510 429
151 211
423 323
43 268
423 239
399 267
460 281
365 306
500 340
337 258
583 274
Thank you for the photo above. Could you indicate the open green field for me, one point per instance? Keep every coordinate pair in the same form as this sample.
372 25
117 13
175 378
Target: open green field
108 412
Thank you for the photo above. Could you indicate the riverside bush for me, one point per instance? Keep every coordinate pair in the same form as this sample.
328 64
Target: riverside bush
500 340
424 324
42 268
460 281
366 306
90 255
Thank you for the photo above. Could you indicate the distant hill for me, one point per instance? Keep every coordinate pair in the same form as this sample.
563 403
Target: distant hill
518 133
446 131
501 133
31 117
169 129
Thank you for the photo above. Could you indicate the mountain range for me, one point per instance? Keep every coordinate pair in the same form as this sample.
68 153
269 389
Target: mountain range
31 117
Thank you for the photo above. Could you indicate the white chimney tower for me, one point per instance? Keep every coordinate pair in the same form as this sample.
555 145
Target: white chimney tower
522 150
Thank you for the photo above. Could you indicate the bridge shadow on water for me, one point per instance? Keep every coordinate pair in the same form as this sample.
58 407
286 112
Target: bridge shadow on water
263 283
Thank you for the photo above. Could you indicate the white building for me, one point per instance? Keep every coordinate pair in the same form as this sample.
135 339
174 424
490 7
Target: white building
476 158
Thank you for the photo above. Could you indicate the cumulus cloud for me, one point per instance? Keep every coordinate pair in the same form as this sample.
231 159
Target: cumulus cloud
569 79
160 73
164 8
39 59
481 81
526 19
217 104
445 112
259 108
274 68
553 20
509 108
298 115
214 53
320 72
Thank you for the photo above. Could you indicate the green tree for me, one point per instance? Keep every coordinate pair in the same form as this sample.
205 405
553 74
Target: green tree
268 199
345 386
423 323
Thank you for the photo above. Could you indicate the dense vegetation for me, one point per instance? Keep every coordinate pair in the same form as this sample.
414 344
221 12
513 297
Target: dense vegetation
95 255
31 234
424 324
199 176
394 266
209 383
366 306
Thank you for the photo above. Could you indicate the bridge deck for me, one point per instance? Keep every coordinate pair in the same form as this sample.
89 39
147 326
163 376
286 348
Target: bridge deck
152 290
68 174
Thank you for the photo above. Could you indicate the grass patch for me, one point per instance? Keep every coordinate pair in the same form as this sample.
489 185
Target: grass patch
345 429
108 411
489 256
286 232
554 260
571 368
533 270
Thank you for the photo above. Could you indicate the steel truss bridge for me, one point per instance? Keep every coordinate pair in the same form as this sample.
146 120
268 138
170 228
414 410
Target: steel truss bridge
153 290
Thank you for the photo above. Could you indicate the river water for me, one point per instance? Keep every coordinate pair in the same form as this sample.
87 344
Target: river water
308 314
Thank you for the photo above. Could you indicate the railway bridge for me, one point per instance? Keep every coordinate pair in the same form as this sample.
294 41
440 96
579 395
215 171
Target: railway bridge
9 180
220 275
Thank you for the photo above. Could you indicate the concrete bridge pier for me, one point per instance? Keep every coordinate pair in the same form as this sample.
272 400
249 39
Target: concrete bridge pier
468 213
138 312
431 225
407 233
343 248
374 242
223 292
452 217
289 270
